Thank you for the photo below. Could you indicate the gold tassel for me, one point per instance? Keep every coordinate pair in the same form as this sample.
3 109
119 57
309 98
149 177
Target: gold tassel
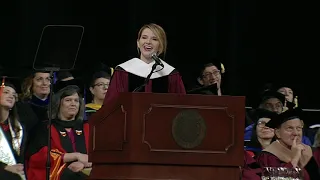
295 102
3 80
112 70
285 108
223 70
2 86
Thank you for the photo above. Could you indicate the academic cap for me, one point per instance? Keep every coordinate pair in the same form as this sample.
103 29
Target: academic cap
97 69
100 74
271 94
7 78
63 75
263 113
213 62
276 121
62 84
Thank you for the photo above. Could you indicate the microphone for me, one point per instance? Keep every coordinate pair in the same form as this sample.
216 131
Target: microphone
157 59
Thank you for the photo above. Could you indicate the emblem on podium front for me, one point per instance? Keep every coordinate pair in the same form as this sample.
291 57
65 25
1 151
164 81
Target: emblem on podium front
188 129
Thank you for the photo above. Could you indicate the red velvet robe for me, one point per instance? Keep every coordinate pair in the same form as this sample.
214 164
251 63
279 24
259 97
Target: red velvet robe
132 74
251 169
310 171
60 144
316 155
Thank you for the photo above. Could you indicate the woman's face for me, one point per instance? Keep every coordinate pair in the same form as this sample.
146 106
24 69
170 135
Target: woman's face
100 88
263 132
148 44
69 107
41 84
289 130
287 92
8 97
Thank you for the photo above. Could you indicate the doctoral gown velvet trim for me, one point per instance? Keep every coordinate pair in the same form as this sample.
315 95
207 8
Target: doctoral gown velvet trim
126 80
60 144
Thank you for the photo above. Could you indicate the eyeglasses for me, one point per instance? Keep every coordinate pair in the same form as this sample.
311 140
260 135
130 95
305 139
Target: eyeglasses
102 85
209 74
262 124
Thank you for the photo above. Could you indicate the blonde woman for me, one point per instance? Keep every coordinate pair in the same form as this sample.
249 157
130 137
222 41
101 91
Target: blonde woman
131 74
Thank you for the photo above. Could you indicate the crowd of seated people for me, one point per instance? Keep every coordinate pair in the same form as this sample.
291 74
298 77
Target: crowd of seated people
274 134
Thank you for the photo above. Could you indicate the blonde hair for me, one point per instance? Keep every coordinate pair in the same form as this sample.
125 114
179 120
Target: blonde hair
317 139
160 34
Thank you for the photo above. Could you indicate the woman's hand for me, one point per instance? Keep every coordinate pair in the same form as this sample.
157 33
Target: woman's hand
76 166
70 157
17 169
83 158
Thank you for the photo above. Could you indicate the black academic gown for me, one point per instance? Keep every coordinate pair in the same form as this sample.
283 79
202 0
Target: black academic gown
61 143
19 157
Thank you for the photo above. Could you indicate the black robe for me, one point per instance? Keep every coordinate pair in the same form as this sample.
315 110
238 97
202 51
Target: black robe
19 157
60 144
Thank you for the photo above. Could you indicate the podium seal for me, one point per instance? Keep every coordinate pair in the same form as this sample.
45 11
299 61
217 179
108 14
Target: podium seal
188 129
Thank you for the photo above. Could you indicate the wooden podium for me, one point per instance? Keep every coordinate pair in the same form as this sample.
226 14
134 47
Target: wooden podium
144 136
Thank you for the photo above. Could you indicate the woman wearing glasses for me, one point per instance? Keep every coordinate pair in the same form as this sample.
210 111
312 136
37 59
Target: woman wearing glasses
262 136
98 88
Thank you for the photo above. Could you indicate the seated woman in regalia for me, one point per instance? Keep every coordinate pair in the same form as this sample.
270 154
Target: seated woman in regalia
12 135
69 140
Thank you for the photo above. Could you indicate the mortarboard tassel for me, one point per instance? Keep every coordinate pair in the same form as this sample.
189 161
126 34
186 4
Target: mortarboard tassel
112 70
295 102
223 70
2 85
285 108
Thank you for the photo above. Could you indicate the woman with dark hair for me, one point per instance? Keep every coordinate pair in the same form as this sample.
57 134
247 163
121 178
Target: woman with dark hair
69 140
262 136
98 87
12 135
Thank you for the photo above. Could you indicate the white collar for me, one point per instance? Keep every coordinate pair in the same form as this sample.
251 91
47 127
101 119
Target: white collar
140 68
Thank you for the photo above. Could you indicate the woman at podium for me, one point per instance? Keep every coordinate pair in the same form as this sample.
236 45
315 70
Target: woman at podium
131 75
69 140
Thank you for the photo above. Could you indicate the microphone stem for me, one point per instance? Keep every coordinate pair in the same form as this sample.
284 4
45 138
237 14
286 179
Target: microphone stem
147 79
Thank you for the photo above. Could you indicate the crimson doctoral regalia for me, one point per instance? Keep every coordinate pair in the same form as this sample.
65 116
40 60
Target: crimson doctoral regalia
275 155
61 142
251 169
132 74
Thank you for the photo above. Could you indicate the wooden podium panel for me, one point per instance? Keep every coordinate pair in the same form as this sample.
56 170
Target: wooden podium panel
171 136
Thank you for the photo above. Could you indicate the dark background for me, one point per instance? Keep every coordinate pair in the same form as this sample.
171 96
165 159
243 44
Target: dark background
258 42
